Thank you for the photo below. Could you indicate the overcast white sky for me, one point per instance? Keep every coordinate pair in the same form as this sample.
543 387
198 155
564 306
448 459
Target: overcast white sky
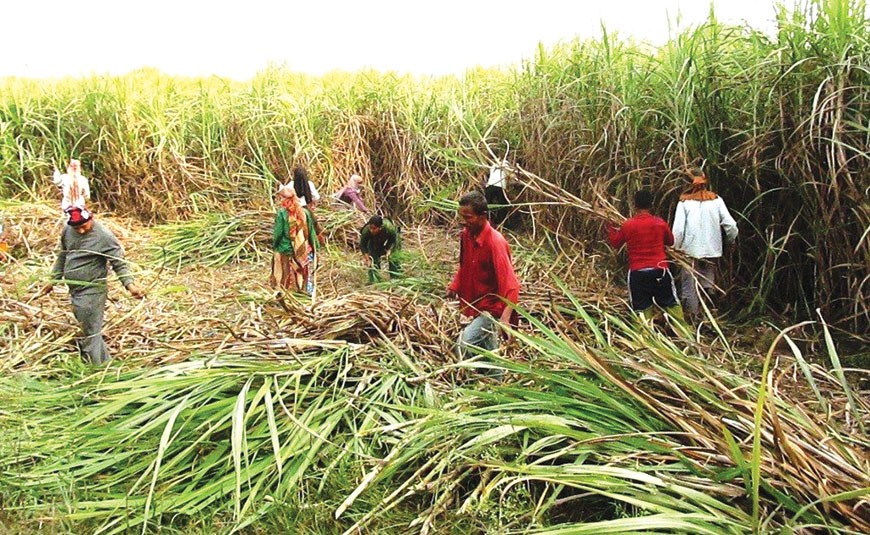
47 38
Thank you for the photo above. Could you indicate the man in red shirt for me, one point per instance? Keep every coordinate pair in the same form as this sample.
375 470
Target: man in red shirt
485 279
649 280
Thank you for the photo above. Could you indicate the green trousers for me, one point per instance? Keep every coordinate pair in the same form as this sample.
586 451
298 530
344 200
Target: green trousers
89 308
392 263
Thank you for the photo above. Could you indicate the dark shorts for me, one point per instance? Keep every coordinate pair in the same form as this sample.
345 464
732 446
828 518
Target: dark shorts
498 204
648 285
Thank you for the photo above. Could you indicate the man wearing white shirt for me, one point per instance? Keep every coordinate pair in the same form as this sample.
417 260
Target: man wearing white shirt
74 186
494 191
700 218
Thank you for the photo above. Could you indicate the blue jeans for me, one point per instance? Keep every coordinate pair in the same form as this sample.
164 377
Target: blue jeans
481 333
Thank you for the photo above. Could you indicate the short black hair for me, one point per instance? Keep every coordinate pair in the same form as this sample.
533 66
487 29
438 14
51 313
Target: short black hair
476 201
643 199
376 220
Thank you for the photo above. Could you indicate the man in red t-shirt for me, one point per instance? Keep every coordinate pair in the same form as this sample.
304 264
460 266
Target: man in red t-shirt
649 280
485 279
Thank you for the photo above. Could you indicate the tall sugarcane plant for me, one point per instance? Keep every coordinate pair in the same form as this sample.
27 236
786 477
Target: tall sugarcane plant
779 123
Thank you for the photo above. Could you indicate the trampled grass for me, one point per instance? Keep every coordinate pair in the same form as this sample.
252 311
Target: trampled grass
226 409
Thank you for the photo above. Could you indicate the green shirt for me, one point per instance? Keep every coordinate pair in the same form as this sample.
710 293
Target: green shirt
312 229
379 244
281 233
281 242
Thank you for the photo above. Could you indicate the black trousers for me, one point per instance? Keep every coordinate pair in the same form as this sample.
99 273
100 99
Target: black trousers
498 204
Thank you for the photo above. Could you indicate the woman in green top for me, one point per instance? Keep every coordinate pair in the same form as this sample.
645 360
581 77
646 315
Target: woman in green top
291 242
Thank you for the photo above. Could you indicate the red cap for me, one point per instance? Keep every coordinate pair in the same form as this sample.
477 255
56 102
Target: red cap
77 217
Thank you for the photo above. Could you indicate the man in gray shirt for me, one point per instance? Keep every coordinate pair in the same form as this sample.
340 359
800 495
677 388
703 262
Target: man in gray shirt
86 250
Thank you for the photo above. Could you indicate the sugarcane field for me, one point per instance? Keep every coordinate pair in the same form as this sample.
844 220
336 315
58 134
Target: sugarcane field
612 289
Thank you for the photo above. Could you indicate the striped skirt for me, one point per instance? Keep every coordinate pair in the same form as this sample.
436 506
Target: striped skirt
287 273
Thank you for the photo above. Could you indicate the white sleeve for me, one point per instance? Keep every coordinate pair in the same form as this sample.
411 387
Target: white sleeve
86 187
315 196
679 228
727 222
57 178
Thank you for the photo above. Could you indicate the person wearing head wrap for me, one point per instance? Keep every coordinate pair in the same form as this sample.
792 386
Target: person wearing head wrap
74 186
86 250
349 194
292 241
308 197
699 221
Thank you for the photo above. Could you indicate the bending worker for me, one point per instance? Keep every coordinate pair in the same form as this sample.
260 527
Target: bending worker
380 237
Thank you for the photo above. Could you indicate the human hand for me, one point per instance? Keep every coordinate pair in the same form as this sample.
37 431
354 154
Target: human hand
135 290
504 322
451 294
505 331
